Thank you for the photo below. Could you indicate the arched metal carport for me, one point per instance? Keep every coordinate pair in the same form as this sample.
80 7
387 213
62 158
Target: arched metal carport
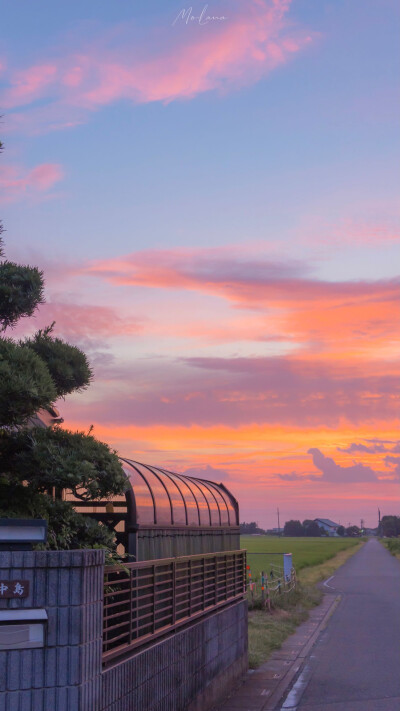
164 514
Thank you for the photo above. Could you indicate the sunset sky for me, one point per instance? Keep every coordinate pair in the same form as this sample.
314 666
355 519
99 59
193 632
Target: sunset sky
214 206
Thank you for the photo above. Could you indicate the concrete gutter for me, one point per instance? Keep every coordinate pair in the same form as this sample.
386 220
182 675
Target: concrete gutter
264 688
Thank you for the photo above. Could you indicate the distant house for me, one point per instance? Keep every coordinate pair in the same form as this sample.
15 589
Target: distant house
274 532
329 526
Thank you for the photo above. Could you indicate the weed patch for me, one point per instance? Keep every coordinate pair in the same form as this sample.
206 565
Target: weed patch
393 545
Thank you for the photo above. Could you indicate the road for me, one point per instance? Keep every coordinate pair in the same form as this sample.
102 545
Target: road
355 663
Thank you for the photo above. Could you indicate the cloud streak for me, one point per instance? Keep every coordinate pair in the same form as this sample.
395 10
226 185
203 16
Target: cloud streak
378 447
75 321
299 307
242 281
206 471
255 40
17 183
238 391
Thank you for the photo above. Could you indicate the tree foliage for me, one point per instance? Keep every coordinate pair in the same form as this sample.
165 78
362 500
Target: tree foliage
250 528
311 528
68 365
26 384
21 292
38 463
390 526
352 531
293 528
47 457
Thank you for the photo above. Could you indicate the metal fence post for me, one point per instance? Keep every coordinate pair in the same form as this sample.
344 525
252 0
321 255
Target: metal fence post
173 592
130 605
262 588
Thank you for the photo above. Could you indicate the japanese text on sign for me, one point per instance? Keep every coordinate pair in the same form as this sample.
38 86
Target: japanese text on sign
14 588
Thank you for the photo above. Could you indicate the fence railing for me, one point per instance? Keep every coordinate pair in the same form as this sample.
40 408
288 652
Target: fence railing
147 599
269 575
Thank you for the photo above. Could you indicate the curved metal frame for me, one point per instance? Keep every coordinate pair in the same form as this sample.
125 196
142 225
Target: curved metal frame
178 476
211 493
150 469
205 484
197 487
132 464
168 475
186 480
220 489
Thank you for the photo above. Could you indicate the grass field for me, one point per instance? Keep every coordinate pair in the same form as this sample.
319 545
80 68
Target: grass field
306 552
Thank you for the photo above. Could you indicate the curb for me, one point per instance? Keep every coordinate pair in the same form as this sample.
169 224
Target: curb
297 666
263 689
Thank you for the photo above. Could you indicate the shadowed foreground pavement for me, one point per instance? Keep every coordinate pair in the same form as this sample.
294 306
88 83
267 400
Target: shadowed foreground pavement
355 663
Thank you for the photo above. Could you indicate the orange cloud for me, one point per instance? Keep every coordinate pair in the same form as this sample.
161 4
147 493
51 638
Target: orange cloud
244 282
17 183
254 456
350 318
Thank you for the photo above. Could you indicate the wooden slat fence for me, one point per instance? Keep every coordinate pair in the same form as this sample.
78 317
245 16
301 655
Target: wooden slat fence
145 600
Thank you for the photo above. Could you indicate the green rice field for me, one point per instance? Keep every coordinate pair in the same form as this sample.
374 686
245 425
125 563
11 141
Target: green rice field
306 551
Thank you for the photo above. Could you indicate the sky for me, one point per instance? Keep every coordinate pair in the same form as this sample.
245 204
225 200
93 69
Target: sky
210 191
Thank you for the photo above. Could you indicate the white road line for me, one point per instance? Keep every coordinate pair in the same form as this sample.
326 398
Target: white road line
297 690
327 581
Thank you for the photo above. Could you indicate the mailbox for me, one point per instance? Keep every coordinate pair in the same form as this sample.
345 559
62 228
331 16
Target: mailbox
21 534
22 629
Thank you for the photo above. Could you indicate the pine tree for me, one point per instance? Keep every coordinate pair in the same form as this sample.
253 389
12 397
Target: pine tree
38 463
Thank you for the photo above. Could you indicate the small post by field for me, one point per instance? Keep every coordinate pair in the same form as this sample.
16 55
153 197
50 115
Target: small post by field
263 588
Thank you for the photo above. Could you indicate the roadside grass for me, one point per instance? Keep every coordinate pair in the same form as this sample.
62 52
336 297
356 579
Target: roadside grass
306 552
267 631
393 545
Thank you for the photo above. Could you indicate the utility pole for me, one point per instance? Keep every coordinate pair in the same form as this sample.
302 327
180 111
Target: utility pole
379 523
279 528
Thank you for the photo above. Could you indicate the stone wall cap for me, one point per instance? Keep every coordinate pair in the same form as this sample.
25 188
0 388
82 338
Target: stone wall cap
18 615
52 559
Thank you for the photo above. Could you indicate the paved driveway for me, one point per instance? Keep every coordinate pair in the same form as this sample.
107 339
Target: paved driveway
355 664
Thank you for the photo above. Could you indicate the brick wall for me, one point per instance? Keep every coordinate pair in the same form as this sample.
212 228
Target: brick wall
192 669
66 674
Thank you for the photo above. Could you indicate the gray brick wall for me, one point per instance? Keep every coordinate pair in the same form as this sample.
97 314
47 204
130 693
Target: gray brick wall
66 674
192 669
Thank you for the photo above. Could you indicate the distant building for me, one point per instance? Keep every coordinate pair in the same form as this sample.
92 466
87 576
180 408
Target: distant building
47 417
370 531
327 525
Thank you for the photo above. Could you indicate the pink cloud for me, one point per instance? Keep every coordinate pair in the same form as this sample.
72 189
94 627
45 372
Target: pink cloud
352 231
245 391
288 305
29 84
17 183
80 321
255 39
245 282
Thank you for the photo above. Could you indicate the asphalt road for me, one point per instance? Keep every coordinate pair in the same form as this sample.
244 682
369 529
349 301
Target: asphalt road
355 663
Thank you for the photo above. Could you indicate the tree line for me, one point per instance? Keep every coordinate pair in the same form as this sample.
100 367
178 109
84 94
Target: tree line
310 528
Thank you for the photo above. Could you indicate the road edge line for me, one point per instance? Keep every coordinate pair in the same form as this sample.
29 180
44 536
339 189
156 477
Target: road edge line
275 699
